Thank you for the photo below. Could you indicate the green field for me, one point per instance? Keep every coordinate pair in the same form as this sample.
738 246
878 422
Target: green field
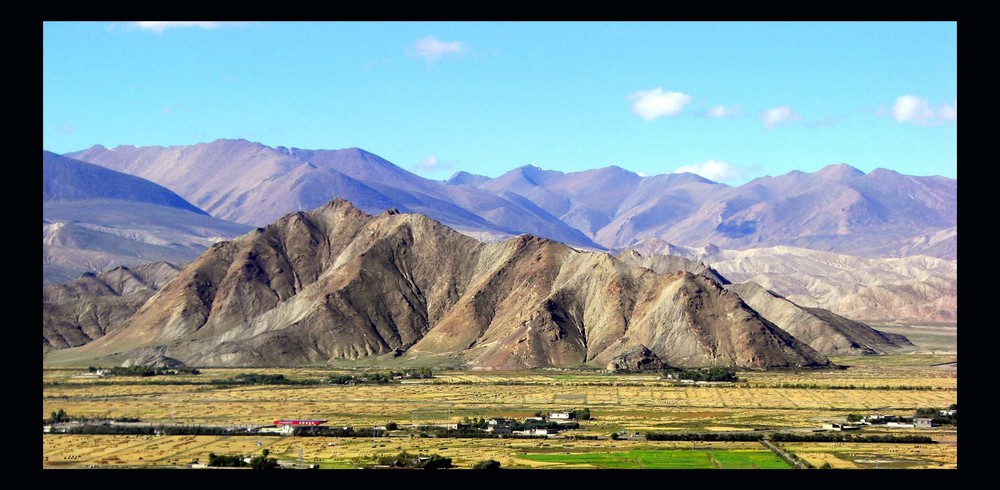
662 459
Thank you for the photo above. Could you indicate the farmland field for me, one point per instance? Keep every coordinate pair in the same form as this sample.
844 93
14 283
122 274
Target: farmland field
700 458
625 404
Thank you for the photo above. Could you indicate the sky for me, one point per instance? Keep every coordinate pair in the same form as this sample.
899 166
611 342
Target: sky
730 101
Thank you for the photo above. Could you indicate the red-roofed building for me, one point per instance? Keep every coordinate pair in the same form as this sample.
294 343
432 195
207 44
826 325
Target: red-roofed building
286 426
294 422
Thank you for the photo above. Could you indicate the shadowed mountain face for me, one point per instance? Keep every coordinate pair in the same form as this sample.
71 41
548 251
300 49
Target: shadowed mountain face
838 208
255 184
336 283
95 219
66 179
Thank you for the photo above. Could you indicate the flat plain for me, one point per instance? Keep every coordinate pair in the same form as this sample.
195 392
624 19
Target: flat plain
626 404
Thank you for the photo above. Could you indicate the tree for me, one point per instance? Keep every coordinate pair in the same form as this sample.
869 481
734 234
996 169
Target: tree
614 436
263 462
59 416
391 426
853 417
489 464
826 466
436 462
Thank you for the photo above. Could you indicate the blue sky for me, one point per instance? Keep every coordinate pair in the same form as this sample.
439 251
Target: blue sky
729 100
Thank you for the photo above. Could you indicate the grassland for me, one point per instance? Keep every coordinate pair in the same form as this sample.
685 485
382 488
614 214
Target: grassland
725 457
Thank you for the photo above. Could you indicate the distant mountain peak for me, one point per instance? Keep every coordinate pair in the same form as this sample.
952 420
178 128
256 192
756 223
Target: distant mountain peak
462 177
838 171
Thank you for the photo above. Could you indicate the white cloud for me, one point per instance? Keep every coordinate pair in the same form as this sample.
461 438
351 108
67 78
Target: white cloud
950 112
431 49
431 164
779 115
640 173
716 170
653 104
909 108
160 26
913 109
724 111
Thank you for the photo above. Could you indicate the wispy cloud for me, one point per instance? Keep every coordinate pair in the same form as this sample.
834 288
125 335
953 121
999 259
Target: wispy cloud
716 170
432 165
654 104
913 109
160 26
725 111
779 115
169 108
824 123
432 49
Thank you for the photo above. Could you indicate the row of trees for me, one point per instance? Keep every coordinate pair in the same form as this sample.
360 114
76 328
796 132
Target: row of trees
407 460
168 430
380 378
144 371
56 417
703 436
263 379
702 374
848 437
259 462
814 386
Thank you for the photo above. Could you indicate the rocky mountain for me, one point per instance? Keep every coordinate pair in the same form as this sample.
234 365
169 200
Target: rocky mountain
838 208
95 219
89 307
828 333
916 288
255 184
823 330
336 283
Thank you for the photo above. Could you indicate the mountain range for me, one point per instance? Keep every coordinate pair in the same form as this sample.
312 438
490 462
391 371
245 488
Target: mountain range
95 219
336 283
917 288
496 273
837 208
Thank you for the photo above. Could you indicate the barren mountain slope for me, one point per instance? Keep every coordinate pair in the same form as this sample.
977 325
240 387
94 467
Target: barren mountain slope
336 283
916 288
91 306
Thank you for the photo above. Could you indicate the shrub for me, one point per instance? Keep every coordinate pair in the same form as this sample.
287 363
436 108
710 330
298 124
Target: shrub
489 464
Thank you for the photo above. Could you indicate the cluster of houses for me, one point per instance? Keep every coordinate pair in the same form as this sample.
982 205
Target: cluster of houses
895 421
505 426
497 426
902 422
